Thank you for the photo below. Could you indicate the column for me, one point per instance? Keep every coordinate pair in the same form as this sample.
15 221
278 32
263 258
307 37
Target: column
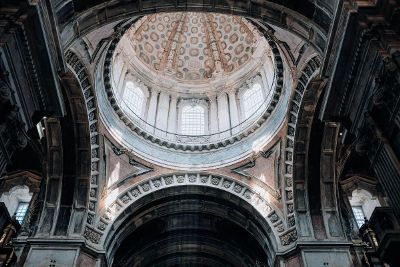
213 114
152 110
162 114
233 111
269 71
223 115
172 116
265 85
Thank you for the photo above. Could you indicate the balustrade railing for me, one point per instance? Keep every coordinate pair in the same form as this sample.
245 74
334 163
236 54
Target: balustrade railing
221 136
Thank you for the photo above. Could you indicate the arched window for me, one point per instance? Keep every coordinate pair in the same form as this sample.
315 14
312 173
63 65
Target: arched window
193 120
252 100
133 98
362 204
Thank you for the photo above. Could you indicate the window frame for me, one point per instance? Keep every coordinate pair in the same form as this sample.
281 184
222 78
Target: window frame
193 102
357 210
21 218
145 91
246 88
360 197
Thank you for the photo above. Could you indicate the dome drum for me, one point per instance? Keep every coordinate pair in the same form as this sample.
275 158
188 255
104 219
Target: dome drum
189 115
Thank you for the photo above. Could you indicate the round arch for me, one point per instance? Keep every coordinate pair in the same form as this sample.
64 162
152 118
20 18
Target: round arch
286 228
281 235
196 207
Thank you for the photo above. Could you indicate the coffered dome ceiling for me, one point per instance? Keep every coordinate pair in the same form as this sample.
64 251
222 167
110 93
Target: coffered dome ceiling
208 85
193 47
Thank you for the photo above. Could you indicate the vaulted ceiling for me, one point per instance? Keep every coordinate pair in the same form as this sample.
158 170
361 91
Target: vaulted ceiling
193 46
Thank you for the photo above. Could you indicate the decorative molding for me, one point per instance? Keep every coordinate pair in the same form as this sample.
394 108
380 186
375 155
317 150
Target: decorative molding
289 237
26 178
359 182
128 197
141 169
137 169
242 170
92 235
309 71
192 144
80 71
117 151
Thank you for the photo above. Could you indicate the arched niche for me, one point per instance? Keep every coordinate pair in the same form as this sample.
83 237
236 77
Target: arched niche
365 200
16 195
361 196
19 187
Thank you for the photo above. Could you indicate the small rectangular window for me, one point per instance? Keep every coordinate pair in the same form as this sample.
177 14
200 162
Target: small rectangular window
359 215
21 211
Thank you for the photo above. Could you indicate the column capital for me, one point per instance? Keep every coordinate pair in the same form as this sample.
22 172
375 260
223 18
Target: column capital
221 94
174 96
211 96
155 91
231 92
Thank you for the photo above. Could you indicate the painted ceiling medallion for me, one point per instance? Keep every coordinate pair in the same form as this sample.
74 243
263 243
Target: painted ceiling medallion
193 47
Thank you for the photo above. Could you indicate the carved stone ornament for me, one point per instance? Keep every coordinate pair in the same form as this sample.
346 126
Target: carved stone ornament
92 235
80 71
129 197
289 237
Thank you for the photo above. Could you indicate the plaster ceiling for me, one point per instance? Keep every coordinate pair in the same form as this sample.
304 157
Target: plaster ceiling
193 47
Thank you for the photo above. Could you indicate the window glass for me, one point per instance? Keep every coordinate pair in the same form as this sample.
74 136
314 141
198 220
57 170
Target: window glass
192 120
21 211
364 202
359 215
133 98
252 100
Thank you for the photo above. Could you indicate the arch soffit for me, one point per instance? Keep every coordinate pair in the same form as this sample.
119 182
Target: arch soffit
304 22
309 71
208 201
85 82
283 235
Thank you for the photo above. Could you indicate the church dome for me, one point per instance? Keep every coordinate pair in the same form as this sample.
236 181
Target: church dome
193 47
193 82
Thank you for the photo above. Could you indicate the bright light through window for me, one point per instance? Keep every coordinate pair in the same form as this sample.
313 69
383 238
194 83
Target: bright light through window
21 211
359 215
192 120
252 99
133 98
